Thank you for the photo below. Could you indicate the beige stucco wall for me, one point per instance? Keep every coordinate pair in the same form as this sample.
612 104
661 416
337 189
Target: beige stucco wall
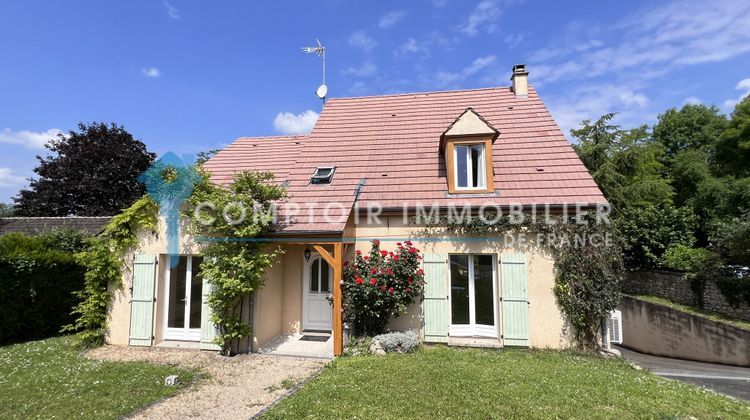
267 306
277 306
663 331
291 321
546 323
469 124
119 310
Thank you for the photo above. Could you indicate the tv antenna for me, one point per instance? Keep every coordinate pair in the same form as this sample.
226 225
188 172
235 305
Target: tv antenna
320 50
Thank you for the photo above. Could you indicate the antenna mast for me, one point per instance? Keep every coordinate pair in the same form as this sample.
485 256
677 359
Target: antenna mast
320 51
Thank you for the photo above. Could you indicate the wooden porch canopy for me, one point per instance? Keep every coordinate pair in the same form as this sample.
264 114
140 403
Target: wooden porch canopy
332 251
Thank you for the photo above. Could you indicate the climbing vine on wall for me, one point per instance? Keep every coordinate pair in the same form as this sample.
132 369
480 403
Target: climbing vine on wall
104 260
235 255
588 262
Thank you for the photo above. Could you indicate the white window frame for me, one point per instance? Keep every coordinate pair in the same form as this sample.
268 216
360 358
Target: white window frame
472 329
469 176
185 333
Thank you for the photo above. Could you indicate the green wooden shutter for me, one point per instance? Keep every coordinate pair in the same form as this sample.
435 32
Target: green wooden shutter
208 330
435 304
142 300
515 300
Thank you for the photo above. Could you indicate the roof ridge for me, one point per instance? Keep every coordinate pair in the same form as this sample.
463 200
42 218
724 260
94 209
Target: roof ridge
388 95
291 136
56 217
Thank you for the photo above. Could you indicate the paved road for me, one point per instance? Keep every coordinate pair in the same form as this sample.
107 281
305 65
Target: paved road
728 380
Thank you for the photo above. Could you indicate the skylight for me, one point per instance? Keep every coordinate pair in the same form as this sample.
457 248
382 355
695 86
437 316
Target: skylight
323 175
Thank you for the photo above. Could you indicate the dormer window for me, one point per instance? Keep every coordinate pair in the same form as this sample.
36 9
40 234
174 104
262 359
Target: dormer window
470 166
323 175
467 147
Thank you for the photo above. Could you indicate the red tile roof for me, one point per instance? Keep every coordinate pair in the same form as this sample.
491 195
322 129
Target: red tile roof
274 154
392 142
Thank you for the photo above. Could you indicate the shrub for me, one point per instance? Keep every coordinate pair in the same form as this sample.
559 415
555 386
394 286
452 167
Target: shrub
649 231
731 239
399 342
692 260
358 346
380 285
38 277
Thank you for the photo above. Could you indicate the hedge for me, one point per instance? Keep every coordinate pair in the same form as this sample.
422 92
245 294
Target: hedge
38 276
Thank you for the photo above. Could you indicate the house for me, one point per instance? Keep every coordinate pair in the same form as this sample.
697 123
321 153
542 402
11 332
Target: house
391 156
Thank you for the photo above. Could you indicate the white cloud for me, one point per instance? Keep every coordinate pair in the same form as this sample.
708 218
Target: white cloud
8 179
485 15
360 39
514 39
593 101
366 69
691 100
744 86
150 72
453 79
391 18
631 98
28 139
439 3
650 43
288 123
409 47
172 11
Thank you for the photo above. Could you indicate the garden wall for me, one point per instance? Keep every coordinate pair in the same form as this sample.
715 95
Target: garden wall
674 286
662 331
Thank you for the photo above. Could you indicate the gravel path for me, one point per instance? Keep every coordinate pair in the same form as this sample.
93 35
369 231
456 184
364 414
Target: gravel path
237 387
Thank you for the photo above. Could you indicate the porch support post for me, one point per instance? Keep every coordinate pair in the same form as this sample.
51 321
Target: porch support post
336 261
338 328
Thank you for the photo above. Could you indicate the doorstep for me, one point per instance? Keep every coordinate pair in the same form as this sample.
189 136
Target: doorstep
175 344
483 342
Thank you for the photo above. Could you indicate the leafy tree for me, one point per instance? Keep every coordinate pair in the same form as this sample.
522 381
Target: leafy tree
731 238
91 172
647 232
690 168
235 259
203 157
624 163
7 210
733 149
691 128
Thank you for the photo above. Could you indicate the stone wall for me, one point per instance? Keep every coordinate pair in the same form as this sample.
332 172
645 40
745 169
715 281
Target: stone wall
674 286
663 331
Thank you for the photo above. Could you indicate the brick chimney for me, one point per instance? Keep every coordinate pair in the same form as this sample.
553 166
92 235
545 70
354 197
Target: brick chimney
520 80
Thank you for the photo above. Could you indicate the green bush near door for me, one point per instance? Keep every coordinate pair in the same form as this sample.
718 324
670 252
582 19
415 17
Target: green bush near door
38 275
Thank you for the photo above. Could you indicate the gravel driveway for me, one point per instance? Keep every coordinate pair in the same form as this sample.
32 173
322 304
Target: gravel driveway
237 387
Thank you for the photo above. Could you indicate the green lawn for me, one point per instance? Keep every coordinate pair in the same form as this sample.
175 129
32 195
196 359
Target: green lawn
441 382
48 378
696 311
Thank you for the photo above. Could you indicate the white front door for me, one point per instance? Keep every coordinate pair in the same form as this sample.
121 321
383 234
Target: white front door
472 296
318 283
182 302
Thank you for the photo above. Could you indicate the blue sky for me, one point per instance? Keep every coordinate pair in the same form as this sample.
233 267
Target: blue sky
187 76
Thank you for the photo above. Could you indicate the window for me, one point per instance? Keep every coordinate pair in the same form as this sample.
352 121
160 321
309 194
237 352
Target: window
470 166
323 175
320 276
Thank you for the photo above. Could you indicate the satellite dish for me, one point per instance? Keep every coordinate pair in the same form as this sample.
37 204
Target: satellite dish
322 91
